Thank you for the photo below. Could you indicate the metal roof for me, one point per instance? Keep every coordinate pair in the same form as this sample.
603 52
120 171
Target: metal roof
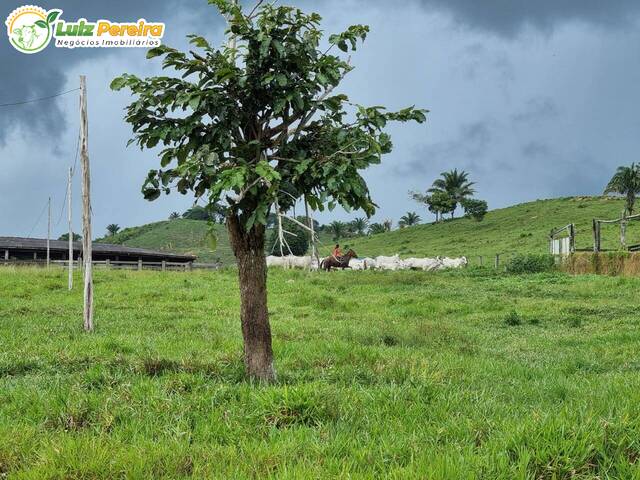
104 248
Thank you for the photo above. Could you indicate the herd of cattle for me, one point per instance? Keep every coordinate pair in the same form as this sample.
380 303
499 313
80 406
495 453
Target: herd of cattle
378 263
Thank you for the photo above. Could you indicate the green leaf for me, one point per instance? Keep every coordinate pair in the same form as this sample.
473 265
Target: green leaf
278 46
52 16
157 51
117 83
41 24
194 101
199 41
281 79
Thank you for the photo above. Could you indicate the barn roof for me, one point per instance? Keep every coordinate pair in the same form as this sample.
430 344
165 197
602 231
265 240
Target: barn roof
103 248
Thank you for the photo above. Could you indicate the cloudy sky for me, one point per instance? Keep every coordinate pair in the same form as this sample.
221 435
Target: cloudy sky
533 99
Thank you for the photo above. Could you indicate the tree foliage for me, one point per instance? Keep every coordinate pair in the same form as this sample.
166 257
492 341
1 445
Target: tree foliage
258 123
455 184
474 208
112 229
409 219
626 181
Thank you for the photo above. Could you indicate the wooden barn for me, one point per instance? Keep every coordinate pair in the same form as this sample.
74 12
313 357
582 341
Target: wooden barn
29 249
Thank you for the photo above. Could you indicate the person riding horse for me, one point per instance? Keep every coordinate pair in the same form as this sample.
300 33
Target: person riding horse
338 261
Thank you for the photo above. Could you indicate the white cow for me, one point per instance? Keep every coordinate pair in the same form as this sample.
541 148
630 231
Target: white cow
454 262
389 263
273 261
292 261
427 264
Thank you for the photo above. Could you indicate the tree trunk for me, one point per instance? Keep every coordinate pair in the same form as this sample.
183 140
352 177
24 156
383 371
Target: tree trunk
248 248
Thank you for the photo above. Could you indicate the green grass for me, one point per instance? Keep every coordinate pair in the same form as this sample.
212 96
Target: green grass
518 229
522 228
466 374
177 236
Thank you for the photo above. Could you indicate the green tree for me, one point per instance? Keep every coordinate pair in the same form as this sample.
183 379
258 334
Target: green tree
112 229
474 208
258 124
359 225
337 229
387 224
376 228
65 236
626 181
455 184
409 219
174 216
439 202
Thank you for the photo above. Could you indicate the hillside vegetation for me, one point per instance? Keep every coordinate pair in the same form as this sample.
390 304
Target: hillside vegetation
522 228
449 375
177 236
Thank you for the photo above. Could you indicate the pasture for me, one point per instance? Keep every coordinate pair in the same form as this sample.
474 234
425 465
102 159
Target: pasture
457 374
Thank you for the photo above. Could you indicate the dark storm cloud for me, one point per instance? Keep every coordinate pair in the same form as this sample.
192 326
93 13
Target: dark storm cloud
26 77
509 17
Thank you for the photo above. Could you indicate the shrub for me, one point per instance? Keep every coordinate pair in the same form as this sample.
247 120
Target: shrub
512 319
530 263
475 209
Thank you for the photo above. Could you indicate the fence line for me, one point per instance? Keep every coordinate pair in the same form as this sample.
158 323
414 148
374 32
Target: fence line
119 264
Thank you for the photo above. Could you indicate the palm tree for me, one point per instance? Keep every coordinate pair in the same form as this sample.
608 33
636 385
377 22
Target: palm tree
387 224
112 229
375 228
409 219
455 184
174 215
359 225
338 229
626 181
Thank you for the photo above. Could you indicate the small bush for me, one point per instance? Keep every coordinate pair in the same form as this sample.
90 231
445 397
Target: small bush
513 319
530 264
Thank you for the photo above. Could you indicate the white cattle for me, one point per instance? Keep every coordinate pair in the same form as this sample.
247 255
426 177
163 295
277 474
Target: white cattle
273 261
292 261
427 264
389 263
454 262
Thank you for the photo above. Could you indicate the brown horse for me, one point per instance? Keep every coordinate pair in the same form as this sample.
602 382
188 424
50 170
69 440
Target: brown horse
337 262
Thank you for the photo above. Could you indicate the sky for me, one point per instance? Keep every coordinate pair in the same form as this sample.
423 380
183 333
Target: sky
533 99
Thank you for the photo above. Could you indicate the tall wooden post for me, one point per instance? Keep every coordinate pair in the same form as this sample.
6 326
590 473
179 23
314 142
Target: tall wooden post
86 208
69 216
312 234
49 235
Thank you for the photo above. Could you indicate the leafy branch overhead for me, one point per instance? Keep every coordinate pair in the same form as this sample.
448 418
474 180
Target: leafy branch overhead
256 121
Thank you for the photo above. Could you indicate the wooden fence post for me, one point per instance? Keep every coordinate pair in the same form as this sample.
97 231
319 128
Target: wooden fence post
108 263
164 265
190 266
497 260
481 261
139 264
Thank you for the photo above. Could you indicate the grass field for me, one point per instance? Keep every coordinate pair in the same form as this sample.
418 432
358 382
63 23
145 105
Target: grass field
468 374
521 228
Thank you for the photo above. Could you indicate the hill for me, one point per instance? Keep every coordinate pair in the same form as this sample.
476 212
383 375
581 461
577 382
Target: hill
178 236
521 228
